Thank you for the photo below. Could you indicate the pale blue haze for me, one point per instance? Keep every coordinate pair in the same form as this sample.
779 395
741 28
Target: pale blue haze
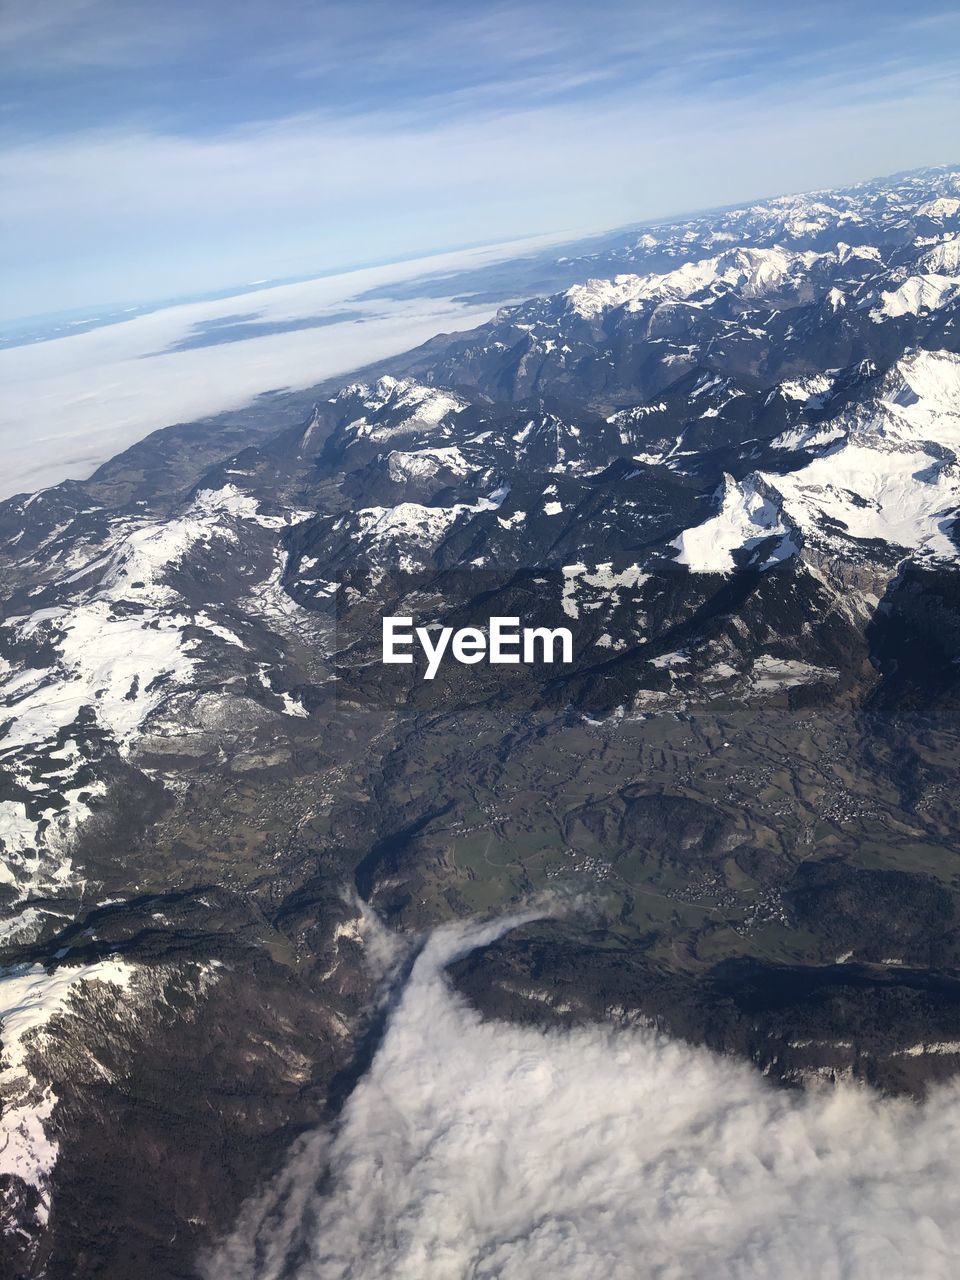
148 150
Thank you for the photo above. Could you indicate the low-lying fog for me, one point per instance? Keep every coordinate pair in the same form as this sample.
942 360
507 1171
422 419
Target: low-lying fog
478 1149
69 404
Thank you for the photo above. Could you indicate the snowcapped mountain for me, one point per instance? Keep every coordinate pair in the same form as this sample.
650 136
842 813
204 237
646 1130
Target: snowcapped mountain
882 480
117 639
724 453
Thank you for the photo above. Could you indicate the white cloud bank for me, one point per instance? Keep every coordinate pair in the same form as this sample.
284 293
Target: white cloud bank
484 1150
69 404
478 122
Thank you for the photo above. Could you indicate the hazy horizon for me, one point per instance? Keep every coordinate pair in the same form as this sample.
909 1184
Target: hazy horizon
149 155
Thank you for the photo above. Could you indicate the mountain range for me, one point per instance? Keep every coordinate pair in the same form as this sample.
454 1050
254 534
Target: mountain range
722 451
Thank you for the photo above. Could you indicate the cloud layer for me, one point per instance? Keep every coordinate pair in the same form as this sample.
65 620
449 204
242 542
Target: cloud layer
71 403
148 151
485 1150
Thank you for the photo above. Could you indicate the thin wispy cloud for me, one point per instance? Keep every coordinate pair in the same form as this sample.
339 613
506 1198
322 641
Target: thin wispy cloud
192 146
245 63
481 1150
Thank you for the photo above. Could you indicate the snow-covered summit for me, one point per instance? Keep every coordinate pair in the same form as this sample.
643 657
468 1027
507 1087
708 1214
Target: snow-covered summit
396 406
886 472
750 516
752 272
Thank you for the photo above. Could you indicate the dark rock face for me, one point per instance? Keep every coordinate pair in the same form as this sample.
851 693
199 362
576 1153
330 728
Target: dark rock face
797 1024
730 474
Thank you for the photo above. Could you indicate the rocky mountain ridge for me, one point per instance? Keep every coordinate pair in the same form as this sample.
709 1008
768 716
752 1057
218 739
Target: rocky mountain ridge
725 456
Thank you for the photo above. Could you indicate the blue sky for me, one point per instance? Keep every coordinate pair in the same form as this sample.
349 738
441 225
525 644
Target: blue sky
154 149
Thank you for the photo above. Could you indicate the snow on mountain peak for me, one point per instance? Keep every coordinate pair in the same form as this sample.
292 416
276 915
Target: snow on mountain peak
424 464
941 207
925 383
755 272
917 294
886 472
749 514
850 253
810 391
30 998
943 258
117 650
401 534
593 298
399 406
